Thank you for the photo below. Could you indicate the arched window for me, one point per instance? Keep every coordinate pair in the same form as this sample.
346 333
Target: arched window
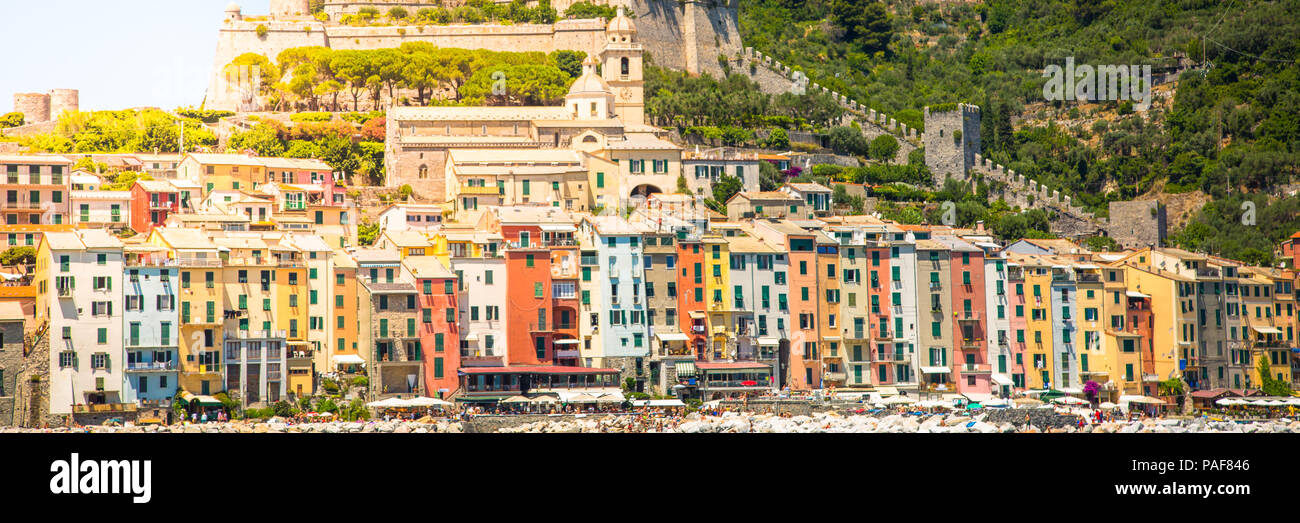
589 139
424 171
623 62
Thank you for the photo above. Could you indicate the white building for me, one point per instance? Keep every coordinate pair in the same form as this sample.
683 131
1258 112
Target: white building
482 302
410 216
96 209
621 330
79 280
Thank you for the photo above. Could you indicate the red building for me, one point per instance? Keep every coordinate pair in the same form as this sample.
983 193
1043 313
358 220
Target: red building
529 331
969 309
690 294
439 330
151 202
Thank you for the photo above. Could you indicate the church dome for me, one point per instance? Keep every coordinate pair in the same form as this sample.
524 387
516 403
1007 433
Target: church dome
232 8
621 25
589 82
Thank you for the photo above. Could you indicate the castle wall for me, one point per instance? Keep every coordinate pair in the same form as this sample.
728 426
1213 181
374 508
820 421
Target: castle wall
688 35
239 37
34 106
1137 223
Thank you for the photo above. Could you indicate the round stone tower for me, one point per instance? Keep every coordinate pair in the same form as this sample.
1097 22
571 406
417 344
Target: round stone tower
34 106
64 100
289 8
234 13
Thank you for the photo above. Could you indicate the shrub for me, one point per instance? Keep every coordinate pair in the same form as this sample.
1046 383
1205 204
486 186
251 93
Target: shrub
311 117
262 30
884 147
283 409
360 381
398 13
330 386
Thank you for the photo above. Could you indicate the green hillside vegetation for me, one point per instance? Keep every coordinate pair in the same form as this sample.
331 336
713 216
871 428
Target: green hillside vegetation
1231 128
128 131
319 78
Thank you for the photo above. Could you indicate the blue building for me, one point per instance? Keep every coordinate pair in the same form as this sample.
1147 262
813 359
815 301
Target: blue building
151 328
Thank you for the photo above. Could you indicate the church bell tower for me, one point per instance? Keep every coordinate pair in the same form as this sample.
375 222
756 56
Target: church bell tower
622 69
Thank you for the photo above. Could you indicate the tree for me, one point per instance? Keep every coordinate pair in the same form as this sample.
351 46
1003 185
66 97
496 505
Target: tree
18 256
769 178
11 120
883 148
261 139
367 233
848 141
682 188
778 139
1270 385
866 23
569 61
398 13
726 187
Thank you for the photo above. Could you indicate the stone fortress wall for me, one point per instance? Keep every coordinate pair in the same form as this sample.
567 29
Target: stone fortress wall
677 34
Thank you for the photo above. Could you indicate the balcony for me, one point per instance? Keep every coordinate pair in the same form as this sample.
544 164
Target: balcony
936 286
1089 277
698 329
889 357
566 353
65 292
970 343
146 366
834 376
976 368
968 316
104 408
254 334
534 327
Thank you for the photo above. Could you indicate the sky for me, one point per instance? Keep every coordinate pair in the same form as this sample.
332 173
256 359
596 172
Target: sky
118 53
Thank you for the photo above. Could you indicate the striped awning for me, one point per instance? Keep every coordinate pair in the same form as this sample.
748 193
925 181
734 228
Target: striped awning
685 369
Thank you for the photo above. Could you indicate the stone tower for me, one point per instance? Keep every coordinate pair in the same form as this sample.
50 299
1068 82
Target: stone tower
622 69
951 139
289 8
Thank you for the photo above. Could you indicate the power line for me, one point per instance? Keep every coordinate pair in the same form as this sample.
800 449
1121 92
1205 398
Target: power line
1216 42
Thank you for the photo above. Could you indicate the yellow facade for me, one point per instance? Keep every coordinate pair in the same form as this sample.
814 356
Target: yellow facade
1122 343
1039 344
718 295
1173 327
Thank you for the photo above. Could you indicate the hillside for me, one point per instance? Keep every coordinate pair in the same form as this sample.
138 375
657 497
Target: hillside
1230 123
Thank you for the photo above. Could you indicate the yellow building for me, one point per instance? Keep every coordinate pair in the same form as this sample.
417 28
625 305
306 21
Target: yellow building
408 243
717 292
1173 321
555 177
222 172
1123 313
343 312
1039 343
202 312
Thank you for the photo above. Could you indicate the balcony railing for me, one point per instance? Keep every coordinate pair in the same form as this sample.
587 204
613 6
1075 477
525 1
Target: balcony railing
976 368
150 366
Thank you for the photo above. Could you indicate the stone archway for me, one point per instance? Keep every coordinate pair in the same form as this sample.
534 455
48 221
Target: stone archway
645 190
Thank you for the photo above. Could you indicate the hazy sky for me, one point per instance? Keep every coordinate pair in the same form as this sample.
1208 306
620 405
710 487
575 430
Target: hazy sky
119 53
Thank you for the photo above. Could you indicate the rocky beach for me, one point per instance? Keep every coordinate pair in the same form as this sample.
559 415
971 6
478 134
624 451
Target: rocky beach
1004 421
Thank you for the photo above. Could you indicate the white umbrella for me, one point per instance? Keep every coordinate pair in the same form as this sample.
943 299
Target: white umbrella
389 403
1228 401
515 399
1275 403
1291 401
934 404
423 401
1070 400
1108 405
544 399
1262 403
898 400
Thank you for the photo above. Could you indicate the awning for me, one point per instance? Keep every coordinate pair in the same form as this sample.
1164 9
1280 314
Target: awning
685 369
699 315
558 227
887 391
1000 379
471 337
568 342
611 397
671 336
1135 294
348 359
831 338
658 403
1266 330
772 342
934 370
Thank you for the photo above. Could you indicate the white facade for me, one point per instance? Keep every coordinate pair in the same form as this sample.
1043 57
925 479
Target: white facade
904 285
410 217
621 321
101 208
151 332
482 303
997 327
83 304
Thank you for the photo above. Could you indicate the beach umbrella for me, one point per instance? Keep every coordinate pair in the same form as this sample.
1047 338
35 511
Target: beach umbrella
515 399
1070 400
898 400
544 399
1108 405
1291 401
428 402
389 403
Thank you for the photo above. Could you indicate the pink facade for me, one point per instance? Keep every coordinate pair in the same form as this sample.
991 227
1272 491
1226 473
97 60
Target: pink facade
969 313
